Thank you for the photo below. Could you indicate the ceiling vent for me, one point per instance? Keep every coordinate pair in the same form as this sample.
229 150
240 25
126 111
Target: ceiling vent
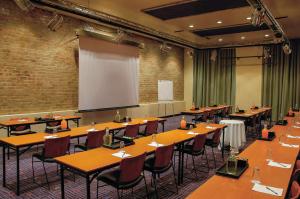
24 5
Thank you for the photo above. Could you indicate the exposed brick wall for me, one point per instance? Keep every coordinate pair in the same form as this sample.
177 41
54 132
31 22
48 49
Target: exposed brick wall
39 68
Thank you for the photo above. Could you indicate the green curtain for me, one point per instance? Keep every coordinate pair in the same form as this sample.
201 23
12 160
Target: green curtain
214 78
281 79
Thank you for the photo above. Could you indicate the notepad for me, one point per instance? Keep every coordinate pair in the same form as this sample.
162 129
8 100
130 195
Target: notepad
290 145
145 121
50 136
296 127
125 124
267 189
93 129
155 144
211 127
192 133
278 164
121 154
293 137
22 120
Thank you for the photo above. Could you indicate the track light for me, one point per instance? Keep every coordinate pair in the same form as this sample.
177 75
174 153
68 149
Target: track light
286 48
120 36
24 5
56 22
257 17
164 47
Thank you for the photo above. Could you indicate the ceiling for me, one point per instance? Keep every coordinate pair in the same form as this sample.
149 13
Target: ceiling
174 17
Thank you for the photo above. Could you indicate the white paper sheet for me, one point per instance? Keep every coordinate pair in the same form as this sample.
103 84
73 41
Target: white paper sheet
192 133
296 127
290 145
211 127
280 165
51 136
93 129
121 154
145 121
125 124
22 120
155 144
293 137
267 189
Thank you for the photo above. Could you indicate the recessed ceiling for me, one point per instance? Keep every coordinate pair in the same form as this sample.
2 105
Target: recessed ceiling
177 16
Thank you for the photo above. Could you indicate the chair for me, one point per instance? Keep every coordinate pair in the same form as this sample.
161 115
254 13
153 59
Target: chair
127 176
151 128
23 129
214 143
52 148
131 131
160 163
195 149
295 190
94 140
52 125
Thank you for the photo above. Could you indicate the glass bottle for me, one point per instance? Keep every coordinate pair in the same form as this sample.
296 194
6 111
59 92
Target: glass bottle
64 124
193 106
265 132
231 164
237 109
290 113
106 138
183 123
118 116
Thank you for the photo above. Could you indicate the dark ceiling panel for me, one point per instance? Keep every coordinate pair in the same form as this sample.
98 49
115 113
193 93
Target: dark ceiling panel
230 30
194 8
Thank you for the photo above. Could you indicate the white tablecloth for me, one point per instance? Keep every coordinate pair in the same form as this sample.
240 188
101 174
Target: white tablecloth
235 135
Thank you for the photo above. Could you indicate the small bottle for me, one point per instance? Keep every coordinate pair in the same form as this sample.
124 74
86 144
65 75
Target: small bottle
290 113
193 106
237 109
106 136
64 124
183 123
265 132
231 164
118 116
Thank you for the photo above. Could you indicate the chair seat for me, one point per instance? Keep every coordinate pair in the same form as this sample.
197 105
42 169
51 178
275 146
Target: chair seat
22 133
149 166
42 158
188 148
111 178
209 142
81 147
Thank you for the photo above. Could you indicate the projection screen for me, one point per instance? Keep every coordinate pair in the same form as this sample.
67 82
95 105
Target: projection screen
108 75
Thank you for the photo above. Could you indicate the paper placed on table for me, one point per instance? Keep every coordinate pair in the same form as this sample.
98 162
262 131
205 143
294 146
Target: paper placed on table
155 144
294 137
290 145
145 121
50 136
296 127
192 133
93 129
121 154
279 164
267 189
211 127
125 124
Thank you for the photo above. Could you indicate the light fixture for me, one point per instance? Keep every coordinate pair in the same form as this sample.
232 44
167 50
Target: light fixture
267 35
248 18
257 17
191 26
56 22
220 39
25 5
243 37
165 48
219 22
286 48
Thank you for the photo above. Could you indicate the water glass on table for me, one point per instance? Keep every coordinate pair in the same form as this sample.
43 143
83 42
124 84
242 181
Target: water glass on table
256 175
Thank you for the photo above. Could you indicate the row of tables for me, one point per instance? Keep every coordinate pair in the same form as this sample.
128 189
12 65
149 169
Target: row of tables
256 154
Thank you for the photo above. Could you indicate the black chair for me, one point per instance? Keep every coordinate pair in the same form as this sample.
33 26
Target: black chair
127 176
53 148
160 163
131 131
94 140
23 129
195 149
51 125
214 142
151 128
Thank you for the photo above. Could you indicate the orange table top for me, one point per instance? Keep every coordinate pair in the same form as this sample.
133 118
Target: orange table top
205 109
18 121
250 113
223 187
101 158
31 139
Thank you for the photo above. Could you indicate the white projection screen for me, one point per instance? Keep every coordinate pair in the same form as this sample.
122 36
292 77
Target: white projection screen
108 75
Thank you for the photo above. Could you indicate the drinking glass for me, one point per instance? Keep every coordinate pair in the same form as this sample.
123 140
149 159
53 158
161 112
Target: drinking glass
122 145
256 175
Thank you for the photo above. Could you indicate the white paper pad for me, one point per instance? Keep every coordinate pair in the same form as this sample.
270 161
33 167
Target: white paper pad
291 136
51 136
22 120
145 121
121 154
155 144
264 189
290 145
92 130
211 127
280 165
192 133
296 127
125 124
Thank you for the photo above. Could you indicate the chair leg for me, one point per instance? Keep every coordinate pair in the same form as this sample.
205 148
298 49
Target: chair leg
118 193
46 175
97 194
147 194
207 163
186 162
212 150
33 176
155 186
175 179
194 167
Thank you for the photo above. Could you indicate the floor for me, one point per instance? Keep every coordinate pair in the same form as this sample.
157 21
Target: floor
76 190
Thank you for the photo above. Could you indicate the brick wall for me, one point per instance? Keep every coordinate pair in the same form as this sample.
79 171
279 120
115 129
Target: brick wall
39 68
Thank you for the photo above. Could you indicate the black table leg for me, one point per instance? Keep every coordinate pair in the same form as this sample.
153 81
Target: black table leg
179 164
18 170
223 144
163 126
88 188
3 166
62 181
77 122
182 166
8 131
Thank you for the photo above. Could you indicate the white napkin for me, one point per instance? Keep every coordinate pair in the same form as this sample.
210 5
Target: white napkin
290 145
51 136
192 133
211 127
155 144
125 124
291 136
280 165
93 129
267 189
296 127
121 154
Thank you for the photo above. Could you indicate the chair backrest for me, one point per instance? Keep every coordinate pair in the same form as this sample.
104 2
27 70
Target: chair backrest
131 168
53 124
295 190
151 127
163 156
216 136
296 175
94 139
199 142
132 130
56 147
20 127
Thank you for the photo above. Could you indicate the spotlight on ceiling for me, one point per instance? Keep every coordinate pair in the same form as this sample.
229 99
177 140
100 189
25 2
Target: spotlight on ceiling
257 18
56 22
120 36
191 26
220 40
243 37
24 5
164 47
190 52
286 48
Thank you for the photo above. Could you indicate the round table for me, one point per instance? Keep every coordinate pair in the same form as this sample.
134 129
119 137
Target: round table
235 134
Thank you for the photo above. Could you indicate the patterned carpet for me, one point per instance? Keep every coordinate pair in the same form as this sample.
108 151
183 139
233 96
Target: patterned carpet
77 189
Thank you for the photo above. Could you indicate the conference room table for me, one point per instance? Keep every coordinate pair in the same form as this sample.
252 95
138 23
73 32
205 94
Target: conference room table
23 143
32 121
86 165
250 113
205 110
256 153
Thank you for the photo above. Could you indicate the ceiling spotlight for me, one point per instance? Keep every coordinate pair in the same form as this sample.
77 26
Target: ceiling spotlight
286 48
56 22
267 35
191 26
257 17
248 18
220 39
219 22
25 5
164 47
243 37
